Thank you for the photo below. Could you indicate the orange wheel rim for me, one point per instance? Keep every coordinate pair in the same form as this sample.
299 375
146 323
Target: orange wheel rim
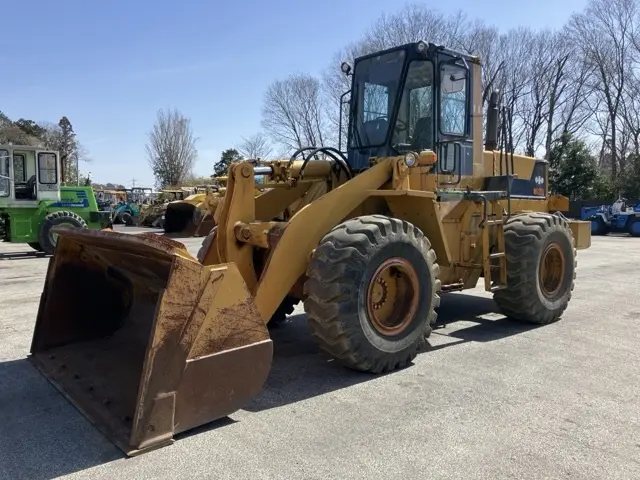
552 268
392 296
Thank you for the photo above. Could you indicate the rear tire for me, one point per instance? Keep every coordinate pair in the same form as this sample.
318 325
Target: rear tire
348 299
47 239
541 268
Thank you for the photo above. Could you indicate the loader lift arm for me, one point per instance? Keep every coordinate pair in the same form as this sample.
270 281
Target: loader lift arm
299 236
290 243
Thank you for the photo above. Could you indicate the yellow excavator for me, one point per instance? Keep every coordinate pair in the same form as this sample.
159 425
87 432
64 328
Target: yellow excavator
368 241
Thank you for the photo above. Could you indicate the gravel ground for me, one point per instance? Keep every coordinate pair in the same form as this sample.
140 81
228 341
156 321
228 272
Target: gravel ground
491 399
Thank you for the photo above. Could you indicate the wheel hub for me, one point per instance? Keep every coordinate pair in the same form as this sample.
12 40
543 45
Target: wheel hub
380 293
392 296
552 270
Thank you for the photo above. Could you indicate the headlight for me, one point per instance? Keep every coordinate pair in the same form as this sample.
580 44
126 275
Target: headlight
410 159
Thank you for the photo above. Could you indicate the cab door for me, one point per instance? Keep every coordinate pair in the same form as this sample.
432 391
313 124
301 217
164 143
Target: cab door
48 175
5 174
24 176
454 132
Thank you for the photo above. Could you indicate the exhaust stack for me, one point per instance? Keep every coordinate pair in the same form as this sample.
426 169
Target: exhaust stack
493 121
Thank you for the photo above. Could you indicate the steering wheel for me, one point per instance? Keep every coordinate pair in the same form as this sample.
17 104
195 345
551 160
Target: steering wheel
401 125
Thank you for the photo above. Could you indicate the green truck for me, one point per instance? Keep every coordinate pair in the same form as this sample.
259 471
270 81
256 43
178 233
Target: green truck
32 199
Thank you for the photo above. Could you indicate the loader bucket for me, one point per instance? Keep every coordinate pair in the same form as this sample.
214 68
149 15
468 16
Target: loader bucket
205 225
145 341
178 218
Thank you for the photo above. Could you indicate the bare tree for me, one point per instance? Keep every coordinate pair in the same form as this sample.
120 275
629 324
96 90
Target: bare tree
604 33
484 41
171 149
255 146
631 111
514 82
569 108
61 137
292 113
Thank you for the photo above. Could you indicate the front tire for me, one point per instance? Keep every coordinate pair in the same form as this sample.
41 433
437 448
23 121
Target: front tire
541 268
36 246
127 219
371 293
633 226
598 226
48 240
286 307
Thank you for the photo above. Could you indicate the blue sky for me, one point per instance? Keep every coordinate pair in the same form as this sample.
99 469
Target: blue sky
109 66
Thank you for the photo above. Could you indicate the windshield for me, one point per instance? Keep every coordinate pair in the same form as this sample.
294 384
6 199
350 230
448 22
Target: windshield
375 88
414 127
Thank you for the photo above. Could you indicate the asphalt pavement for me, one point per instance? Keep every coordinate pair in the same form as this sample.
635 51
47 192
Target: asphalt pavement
491 398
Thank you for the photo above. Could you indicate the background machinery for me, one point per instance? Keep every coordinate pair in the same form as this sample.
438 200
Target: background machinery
616 218
193 215
32 200
128 210
368 241
183 216
153 215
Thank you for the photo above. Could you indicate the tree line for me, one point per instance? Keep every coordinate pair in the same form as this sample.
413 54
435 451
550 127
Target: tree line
571 95
59 137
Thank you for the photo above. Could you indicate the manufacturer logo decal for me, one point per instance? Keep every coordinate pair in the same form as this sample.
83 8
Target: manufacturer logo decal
539 180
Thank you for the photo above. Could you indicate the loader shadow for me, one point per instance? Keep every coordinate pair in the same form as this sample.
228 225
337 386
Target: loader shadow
42 436
300 371
466 318
22 255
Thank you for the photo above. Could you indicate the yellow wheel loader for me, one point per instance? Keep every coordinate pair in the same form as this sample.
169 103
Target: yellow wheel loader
193 215
368 240
181 215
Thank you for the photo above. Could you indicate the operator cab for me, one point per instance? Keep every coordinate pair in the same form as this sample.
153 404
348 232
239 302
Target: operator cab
28 174
411 98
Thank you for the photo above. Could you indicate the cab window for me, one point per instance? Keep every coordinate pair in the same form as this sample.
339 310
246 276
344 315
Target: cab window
376 102
19 168
453 100
414 125
47 168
